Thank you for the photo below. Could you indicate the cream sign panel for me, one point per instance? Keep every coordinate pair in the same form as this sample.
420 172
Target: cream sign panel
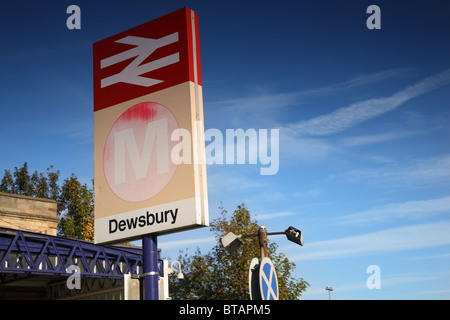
150 167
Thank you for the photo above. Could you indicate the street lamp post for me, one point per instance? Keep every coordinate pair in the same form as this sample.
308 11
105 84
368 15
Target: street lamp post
263 282
262 235
329 289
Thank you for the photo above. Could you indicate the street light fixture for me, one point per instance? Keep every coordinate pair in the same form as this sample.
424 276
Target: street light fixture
294 235
180 275
233 242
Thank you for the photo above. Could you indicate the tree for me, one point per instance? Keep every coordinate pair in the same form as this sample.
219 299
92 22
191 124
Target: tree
75 209
75 200
220 275
7 184
22 184
37 185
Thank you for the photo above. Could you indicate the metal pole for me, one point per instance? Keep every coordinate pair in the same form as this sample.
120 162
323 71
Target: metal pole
150 272
262 233
329 289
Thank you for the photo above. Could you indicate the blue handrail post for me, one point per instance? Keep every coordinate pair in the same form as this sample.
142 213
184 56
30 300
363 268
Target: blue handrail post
150 270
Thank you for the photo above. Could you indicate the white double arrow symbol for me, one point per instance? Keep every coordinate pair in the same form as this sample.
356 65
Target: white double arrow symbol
144 48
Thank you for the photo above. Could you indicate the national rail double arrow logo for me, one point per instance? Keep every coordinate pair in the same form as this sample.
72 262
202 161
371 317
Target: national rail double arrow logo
133 72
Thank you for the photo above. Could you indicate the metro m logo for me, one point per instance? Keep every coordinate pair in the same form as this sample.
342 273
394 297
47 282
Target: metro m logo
144 48
136 156
125 144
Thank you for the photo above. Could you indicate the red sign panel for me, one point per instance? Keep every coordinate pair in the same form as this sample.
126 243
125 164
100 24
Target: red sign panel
145 59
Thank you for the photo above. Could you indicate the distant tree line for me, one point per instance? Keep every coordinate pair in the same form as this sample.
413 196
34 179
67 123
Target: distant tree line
75 200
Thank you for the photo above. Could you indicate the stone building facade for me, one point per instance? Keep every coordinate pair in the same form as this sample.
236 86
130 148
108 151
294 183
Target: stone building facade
28 213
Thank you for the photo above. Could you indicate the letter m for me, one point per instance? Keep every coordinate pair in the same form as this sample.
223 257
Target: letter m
125 143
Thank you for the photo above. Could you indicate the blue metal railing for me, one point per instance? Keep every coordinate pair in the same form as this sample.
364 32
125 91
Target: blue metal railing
23 252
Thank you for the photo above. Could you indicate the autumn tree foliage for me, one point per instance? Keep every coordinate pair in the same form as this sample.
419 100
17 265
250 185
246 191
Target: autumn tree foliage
75 200
76 210
220 275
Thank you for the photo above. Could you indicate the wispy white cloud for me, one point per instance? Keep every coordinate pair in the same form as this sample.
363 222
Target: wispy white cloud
376 138
437 256
263 109
394 279
274 215
220 179
263 106
405 210
365 79
359 112
307 194
358 81
390 240
247 112
294 149
421 172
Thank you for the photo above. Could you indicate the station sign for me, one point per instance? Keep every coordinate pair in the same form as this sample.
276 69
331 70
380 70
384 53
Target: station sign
149 149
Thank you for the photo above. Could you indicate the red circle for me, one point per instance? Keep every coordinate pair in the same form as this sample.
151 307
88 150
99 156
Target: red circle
137 156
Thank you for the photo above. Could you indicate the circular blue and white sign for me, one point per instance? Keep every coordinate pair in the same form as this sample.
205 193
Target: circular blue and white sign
268 282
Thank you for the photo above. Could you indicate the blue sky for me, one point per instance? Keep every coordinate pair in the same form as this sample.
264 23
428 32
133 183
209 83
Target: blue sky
363 119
